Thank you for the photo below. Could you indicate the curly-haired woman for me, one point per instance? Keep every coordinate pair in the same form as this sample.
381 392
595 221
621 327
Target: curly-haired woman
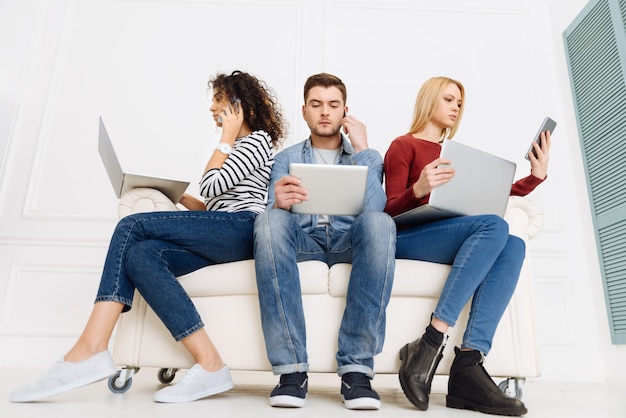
149 250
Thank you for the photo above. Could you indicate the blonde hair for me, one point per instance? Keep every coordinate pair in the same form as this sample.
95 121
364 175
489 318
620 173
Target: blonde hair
426 104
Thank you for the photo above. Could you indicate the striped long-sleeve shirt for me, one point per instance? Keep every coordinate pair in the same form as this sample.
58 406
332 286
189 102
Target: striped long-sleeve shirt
242 182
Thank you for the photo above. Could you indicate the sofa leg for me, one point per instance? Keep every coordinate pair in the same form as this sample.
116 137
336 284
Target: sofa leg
513 386
122 380
166 375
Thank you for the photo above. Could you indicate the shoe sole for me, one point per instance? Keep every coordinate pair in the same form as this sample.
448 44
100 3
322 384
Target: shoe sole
192 397
404 353
457 403
362 403
65 388
286 401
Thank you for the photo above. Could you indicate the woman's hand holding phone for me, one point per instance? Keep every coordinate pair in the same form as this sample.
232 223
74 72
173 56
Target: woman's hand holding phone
539 159
231 121
548 125
234 105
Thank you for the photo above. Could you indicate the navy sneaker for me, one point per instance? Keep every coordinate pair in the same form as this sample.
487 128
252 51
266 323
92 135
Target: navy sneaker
357 392
290 391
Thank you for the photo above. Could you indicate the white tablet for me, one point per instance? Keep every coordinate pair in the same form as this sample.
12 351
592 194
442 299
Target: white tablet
333 189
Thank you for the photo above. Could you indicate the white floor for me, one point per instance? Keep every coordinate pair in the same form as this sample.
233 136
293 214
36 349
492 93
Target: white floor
542 398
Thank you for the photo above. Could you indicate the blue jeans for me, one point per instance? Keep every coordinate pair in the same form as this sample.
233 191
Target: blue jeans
369 244
149 250
486 262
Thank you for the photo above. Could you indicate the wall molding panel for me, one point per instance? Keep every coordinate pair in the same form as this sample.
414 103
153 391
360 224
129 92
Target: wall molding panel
143 65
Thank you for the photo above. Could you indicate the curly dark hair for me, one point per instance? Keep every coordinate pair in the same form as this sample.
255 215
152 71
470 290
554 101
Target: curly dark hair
261 108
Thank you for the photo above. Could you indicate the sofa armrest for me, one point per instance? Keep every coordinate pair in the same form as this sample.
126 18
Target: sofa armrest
524 216
143 200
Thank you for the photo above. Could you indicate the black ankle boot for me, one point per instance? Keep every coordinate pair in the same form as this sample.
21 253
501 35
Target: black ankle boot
419 361
471 387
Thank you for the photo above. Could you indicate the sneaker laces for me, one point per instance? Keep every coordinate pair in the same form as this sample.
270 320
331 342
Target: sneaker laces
52 370
298 379
191 373
351 380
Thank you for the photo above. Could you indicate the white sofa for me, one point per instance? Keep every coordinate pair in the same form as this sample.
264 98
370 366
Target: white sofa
226 297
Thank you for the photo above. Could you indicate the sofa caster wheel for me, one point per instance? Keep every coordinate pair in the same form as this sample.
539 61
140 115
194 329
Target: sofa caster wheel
121 381
512 386
166 375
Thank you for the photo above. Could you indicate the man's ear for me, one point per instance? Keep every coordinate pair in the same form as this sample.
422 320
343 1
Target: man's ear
304 111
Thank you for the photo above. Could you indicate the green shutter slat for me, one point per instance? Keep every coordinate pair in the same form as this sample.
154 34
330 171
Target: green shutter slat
594 47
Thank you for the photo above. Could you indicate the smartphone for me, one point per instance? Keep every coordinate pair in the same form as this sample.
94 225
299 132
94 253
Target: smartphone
235 103
547 125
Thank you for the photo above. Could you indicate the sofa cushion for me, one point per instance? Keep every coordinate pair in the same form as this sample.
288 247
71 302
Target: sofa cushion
238 278
412 278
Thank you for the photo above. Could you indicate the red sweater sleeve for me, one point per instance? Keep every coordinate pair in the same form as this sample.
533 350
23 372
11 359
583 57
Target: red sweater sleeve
526 185
404 161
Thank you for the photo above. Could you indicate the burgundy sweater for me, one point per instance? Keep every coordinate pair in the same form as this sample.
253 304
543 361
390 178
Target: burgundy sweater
404 161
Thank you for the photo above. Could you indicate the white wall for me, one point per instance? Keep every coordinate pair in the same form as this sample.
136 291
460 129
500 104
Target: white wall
143 66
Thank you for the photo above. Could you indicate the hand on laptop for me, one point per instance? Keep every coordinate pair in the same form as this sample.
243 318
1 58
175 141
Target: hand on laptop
289 192
434 174
191 202
355 129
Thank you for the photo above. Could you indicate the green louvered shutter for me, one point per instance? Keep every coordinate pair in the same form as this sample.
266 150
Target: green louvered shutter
595 45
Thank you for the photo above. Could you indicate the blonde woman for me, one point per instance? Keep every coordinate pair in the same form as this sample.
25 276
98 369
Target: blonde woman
485 259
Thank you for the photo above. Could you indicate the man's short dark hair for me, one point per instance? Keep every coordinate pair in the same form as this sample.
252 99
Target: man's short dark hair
325 80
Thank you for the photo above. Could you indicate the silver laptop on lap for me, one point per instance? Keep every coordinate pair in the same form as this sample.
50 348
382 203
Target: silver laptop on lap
123 182
481 185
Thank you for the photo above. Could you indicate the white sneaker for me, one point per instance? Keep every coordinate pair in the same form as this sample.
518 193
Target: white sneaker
64 376
196 384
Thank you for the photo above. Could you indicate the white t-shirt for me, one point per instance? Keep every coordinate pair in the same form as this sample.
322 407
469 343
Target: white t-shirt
325 156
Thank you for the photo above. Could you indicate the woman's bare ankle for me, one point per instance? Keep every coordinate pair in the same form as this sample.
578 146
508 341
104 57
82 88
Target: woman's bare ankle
80 353
212 366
